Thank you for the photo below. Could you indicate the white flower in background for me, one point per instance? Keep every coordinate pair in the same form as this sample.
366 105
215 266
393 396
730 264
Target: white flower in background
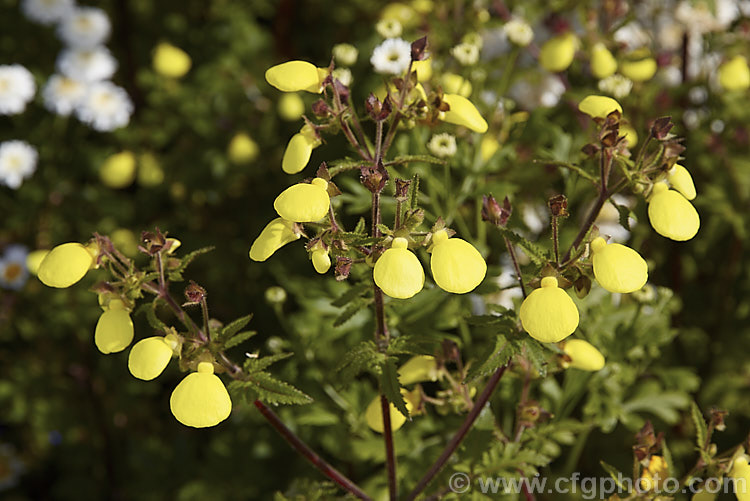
343 75
62 94
392 56
442 145
87 65
84 27
13 271
616 85
551 91
508 282
17 88
466 53
535 217
105 107
345 54
389 28
17 162
632 35
519 32
46 11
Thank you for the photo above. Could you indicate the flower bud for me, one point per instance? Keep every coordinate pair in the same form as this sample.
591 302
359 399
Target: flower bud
618 268
303 202
603 63
291 106
456 265
299 150
398 271
118 170
548 314
274 236
242 149
321 260
735 75
345 54
65 265
114 330
599 106
640 70
171 61
681 180
374 414
583 355
417 369
149 357
463 112
671 215
201 400
557 53
294 76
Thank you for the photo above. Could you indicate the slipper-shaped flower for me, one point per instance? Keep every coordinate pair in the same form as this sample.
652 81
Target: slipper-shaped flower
463 112
583 355
201 400
618 268
299 150
294 76
681 180
557 53
114 330
149 357
65 265
303 202
671 215
398 272
599 106
456 265
603 63
548 314
274 236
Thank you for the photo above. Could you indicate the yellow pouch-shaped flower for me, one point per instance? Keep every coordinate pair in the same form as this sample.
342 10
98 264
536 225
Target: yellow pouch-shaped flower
201 400
548 314
488 147
631 136
304 203
598 106
654 476
291 106
423 69
34 259
741 473
274 236
417 369
603 63
65 265
374 414
171 61
456 265
118 170
294 76
639 71
455 84
681 180
463 112
150 173
149 357
583 355
618 268
671 215
735 75
398 272
114 330
299 150
558 52
321 261
242 149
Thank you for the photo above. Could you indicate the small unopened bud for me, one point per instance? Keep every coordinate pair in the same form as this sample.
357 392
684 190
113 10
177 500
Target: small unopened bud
558 206
374 177
341 89
493 213
322 172
418 48
343 267
590 149
377 110
402 189
194 293
321 109
661 127
152 242
275 295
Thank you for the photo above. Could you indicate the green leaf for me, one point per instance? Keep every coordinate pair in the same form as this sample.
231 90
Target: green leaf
364 357
413 345
391 387
150 311
701 430
498 357
405 159
361 227
624 212
536 354
234 327
350 295
238 339
253 365
536 253
273 391
616 475
351 310
175 274
668 458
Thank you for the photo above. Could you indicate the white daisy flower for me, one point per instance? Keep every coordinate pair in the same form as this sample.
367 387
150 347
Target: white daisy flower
392 56
17 162
87 65
13 271
62 94
465 53
105 107
442 145
46 11
389 28
616 85
519 32
84 27
17 88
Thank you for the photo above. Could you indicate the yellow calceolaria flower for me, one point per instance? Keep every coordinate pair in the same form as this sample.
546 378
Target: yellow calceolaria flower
631 136
65 265
149 357
242 149
418 369
34 259
603 63
463 112
150 172
402 13
703 495
456 265
291 106
295 76
398 271
671 215
618 268
423 69
548 314
374 414
114 330
274 236
598 106
740 472
171 61
488 147
455 84
558 52
118 170
639 70
735 74
583 355
303 202
656 472
201 400
125 240
321 260
299 150
681 180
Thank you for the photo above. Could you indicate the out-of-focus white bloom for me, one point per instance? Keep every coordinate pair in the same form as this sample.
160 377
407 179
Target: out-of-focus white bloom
551 91
508 282
442 145
105 107
616 85
392 56
536 217
62 94
84 27
466 54
345 54
473 38
632 35
671 76
46 11
691 119
545 93
705 17
13 271
343 75
717 126
389 28
17 162
17 88
87 65
519 32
